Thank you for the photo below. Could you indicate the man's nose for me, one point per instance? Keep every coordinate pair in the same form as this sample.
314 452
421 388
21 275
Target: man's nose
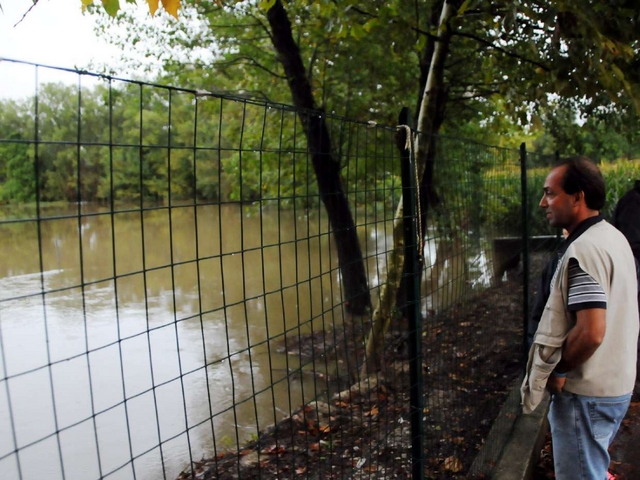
543 202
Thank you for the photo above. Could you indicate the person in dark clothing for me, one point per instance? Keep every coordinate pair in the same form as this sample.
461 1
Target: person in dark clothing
626 218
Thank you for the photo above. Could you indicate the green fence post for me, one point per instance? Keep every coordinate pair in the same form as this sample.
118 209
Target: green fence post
525 251
412 245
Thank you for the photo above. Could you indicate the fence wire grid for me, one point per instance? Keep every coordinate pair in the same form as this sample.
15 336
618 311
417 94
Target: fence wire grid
176 300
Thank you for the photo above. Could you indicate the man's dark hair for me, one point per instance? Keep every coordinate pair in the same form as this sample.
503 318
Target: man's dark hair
582 175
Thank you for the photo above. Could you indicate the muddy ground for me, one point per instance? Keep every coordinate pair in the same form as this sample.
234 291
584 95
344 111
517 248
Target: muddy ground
471 357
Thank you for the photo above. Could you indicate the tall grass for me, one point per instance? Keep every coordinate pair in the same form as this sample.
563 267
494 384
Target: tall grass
504 212
619 177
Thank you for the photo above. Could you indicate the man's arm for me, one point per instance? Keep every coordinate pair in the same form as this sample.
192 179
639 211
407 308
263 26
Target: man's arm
582 342
583 339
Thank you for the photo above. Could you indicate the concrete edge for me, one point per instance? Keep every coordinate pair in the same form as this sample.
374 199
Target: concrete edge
523 447
498 436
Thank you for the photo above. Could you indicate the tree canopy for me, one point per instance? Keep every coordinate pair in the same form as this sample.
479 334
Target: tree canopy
366 59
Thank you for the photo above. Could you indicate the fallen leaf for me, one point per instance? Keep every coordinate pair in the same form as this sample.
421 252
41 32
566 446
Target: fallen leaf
453 464
372 413
272 449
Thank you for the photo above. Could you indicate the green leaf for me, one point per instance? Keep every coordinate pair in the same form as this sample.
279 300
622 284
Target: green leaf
463 8
421 43
357 31
617 72
370 24
266 4
111 6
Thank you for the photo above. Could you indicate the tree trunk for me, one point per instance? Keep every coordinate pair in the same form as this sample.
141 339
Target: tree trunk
383 314
427 126
326 168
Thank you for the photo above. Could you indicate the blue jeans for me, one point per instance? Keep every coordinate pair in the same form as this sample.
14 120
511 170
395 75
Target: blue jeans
582 428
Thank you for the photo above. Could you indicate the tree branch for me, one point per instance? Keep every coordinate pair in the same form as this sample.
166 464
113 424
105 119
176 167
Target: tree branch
502 50
263 26
251 62
360 11
467 97
313 58
35 2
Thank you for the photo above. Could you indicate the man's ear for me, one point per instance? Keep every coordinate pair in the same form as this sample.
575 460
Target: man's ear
578 197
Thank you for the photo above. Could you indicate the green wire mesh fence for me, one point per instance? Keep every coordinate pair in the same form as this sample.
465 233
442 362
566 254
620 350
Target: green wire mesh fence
188 281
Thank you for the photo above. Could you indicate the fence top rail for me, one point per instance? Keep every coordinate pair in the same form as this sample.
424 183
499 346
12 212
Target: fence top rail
203 93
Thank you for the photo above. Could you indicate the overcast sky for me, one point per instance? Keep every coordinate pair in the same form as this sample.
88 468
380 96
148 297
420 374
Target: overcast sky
54 33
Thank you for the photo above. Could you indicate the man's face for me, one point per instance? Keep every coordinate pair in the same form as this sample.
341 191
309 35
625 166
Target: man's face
559 205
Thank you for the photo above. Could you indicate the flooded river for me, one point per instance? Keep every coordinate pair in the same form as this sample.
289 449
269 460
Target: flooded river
121 332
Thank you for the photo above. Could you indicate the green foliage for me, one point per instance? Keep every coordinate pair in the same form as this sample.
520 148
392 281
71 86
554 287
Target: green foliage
341 45
112 7
505 212
365 60
133 142
16 172
477 188
603 133
619 177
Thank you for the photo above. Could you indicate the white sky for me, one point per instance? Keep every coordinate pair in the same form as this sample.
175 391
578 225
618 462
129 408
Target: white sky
54 33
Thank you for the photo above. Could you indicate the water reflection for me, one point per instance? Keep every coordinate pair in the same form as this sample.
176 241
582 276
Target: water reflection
144 326
144 322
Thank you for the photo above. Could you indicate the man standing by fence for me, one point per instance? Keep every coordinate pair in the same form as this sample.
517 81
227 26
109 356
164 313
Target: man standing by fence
585 348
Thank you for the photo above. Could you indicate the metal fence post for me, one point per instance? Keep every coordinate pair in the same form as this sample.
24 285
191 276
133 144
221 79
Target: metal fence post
412 246
525 251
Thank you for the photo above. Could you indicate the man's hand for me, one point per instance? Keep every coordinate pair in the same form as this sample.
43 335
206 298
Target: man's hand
555 384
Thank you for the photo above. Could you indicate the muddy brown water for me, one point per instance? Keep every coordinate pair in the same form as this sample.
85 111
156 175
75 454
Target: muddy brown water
180 312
